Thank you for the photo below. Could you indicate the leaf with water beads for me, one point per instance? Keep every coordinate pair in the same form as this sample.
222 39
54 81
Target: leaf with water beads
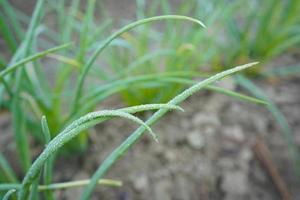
77 127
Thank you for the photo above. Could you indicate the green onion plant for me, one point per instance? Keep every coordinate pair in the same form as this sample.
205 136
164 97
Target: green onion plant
54 76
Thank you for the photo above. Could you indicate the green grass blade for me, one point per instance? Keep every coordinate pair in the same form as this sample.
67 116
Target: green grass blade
140 79
16 106
36 16
48 167
33 195
20 134
146 58
237 95
141 108
8 194
85 29
120 150
289 42
140 9
107 113
66 27
9 11
95 96
2 62
64 185
45 130
34 57
76 128
9 186
7 35
56 186
90 62
6 170
221 90
98 33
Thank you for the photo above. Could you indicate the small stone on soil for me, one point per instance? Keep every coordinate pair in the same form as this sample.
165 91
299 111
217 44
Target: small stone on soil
235 133
196 140
235 184
141 182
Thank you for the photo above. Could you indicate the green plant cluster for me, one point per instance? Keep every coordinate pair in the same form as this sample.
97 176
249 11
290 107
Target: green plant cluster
55 75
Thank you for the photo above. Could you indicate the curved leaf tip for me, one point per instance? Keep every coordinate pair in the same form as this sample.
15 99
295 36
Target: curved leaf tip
8 194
